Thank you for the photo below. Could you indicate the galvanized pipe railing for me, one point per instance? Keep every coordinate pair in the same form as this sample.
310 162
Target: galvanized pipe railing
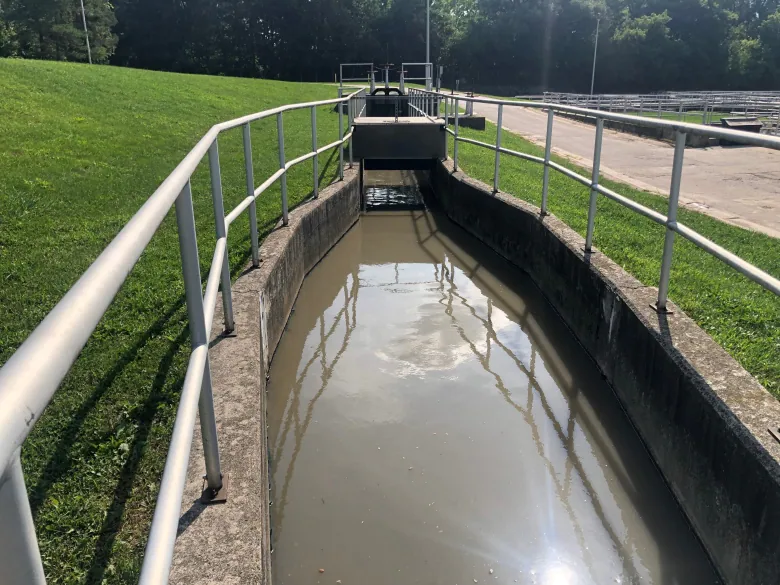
669 220
764 105
420 104
31 376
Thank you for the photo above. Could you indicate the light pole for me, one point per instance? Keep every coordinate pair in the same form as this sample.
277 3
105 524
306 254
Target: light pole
86 32
428 72
595 51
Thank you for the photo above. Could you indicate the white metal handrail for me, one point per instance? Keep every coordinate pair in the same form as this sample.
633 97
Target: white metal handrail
31 376
681 129
427 76
764 105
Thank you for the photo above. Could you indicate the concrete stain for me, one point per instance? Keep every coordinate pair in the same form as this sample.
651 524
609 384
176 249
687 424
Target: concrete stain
432 420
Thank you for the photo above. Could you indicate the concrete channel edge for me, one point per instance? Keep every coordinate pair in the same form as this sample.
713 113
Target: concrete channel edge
703 418
230 543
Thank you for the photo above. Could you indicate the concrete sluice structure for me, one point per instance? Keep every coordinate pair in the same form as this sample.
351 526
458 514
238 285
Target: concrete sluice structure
455 392
432 420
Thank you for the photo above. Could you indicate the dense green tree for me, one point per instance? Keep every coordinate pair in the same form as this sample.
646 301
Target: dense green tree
53 29
643 47
9 44
503 46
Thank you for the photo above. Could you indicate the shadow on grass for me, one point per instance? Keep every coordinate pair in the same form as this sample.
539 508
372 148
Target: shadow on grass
60 461
113 519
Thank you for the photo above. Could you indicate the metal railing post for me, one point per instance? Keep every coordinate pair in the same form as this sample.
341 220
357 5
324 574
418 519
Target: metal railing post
341 137
547 151
671 222
250 191
777 120
350 114
594 183
280 132
190 266
219 224
498 147
446 125
455 139
20 557
316 160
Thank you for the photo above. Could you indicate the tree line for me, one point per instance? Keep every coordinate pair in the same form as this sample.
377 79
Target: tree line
499 46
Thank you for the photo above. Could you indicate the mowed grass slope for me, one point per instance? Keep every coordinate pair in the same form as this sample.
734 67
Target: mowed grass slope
740 315
81 149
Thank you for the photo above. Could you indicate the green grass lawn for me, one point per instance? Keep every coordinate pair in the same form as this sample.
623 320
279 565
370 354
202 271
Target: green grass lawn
743 317
81 149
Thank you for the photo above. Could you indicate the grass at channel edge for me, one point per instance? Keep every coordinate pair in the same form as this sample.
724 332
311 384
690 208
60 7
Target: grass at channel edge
81 149
739 314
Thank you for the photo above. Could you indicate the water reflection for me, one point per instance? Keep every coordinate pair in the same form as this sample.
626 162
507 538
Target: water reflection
431 419
393 190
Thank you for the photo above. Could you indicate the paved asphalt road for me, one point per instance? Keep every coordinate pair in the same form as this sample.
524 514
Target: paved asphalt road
740 185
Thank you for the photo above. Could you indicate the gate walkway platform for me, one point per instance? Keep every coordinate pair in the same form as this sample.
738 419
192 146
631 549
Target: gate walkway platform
403 137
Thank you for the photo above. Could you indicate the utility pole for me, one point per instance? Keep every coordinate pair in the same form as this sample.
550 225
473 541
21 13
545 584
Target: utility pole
595 51
428 72
86 32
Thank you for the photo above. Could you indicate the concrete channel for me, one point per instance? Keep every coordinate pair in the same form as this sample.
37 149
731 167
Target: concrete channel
458 395
431 420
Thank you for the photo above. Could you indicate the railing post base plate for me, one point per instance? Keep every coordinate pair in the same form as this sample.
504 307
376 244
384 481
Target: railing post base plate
209 496
664 311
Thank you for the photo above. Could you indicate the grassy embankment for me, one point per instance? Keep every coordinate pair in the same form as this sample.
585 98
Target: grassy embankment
80 150
740 315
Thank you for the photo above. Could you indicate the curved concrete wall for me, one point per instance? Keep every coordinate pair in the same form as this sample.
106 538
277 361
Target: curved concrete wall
703 418
230 543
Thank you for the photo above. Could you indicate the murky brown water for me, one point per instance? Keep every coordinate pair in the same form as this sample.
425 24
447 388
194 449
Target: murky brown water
431 419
